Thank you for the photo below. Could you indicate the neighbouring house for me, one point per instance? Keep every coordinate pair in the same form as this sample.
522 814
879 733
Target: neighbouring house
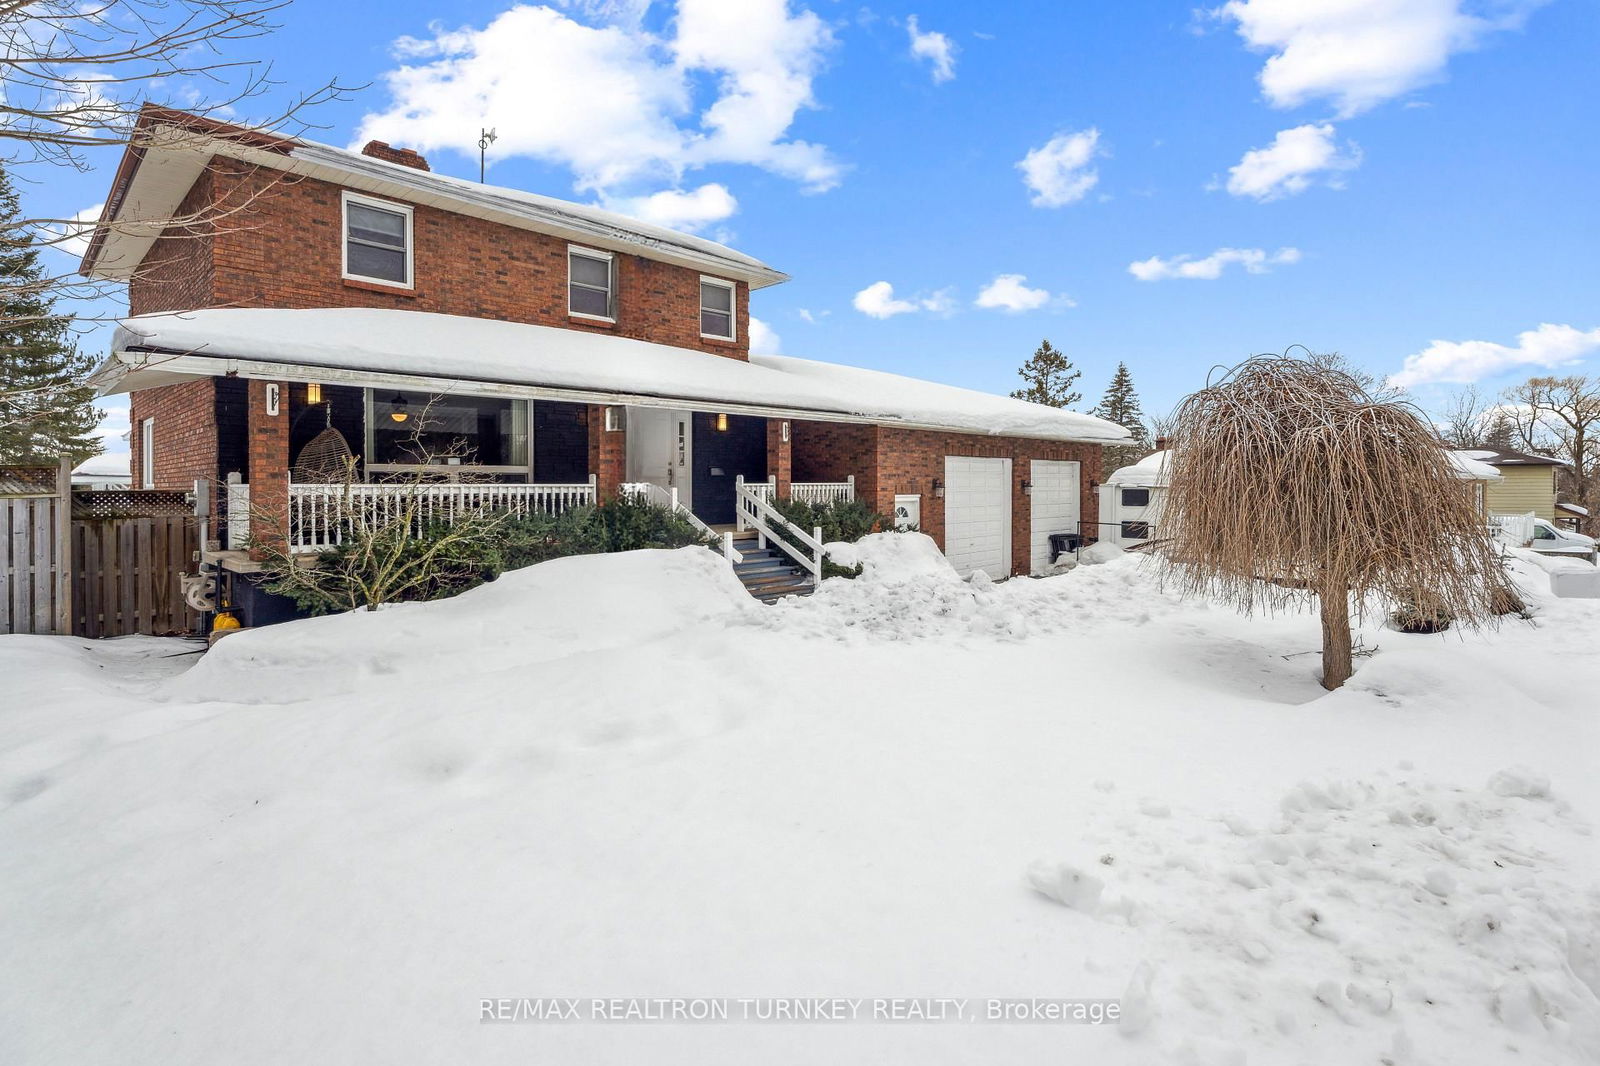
1527 482
106 471
576 353
1131 497
1570 516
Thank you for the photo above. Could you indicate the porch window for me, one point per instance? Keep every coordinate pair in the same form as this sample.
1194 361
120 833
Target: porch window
408 430
377 241
591 284
716 309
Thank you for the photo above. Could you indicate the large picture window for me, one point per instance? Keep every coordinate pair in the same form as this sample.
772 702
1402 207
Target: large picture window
410 429
377 241
591 284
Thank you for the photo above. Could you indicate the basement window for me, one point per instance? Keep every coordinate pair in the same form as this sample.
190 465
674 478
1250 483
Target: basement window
716 309
377 241
592 284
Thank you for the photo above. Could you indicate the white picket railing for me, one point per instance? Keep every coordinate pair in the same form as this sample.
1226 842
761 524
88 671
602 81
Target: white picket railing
754 511
824 492
319 514
1516 528
650 492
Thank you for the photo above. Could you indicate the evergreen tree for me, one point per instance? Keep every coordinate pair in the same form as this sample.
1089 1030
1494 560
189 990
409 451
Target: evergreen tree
1050 377
1120 404
46 405
1499 437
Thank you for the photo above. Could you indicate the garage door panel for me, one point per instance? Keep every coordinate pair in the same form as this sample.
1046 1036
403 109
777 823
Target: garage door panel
977 505
1054 501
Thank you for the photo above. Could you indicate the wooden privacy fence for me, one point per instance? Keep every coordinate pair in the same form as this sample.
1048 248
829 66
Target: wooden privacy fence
35 517
92 564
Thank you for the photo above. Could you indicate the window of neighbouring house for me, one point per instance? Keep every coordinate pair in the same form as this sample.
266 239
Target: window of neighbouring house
1136 497
377 241
147 453
1136 531
591 284
716 309
410 429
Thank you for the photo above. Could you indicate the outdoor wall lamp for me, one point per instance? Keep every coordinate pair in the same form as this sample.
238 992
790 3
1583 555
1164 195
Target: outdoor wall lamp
938 488
784 433
314 392
1027 487
722 422
398 408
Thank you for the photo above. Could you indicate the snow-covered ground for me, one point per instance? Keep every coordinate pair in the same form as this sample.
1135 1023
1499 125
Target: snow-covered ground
328 842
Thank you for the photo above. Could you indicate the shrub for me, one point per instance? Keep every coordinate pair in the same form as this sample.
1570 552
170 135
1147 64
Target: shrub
387 564
843 520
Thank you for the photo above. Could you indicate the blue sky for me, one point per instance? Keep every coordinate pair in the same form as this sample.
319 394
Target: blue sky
1370 178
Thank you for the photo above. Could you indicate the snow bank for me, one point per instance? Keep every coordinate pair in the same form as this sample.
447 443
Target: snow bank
1369 916
577 605
908 591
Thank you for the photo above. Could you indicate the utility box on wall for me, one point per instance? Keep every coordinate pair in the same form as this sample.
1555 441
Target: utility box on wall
907 512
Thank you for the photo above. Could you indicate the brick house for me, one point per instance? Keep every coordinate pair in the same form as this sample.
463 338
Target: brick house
571 352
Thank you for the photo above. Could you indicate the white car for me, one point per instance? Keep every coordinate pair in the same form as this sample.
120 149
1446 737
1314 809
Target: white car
1551 540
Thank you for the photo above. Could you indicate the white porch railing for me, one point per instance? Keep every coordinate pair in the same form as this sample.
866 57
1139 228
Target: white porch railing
319 514
1516 528
754 511
824 492
650 492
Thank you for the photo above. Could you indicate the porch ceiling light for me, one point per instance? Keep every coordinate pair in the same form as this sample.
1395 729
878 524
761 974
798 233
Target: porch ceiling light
398 408
314 392
722 422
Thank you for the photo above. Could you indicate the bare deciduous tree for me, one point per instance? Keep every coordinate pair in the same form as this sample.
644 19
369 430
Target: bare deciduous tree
1560 417
1288 478
1466 418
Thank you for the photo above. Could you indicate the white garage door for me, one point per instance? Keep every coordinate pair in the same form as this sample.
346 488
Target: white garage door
1054 502
977 514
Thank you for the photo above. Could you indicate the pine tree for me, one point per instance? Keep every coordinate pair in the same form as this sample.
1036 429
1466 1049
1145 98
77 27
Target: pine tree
1050 377
46 405
1499 437
1120 404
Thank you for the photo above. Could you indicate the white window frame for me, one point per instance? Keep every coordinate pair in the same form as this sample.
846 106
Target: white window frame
344 239
733 309
147 453
610 260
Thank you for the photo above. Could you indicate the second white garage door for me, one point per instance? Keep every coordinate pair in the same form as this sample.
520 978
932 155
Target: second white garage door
977 514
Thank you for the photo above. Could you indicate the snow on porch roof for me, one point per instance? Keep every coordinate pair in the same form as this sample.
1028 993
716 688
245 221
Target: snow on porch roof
375 341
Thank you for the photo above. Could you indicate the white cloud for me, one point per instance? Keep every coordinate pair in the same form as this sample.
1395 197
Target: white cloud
1359 53
812 317
936 48
1291 162
612 102
879 301
689 211
1059 172
76 232
764 340
1467 361
1254 261
1007 292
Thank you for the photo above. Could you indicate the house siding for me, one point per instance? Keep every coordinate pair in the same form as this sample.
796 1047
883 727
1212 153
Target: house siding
1520 490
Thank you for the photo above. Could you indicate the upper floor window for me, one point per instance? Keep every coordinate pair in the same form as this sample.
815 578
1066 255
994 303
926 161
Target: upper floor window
716 309
377 241
591 284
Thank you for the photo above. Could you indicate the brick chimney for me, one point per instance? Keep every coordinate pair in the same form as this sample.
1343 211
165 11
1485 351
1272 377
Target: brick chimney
1162 444
406 157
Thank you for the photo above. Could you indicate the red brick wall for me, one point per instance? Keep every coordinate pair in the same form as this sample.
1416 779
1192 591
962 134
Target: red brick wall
780 455
269 459
285 250
887 461
608 453
185 433
177 273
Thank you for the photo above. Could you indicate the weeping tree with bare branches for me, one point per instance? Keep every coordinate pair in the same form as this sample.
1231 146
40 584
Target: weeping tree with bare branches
1288 479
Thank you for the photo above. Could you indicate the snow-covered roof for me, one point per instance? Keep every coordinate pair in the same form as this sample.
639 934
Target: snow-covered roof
176 147
1572 508
109 464
364 344
1151 471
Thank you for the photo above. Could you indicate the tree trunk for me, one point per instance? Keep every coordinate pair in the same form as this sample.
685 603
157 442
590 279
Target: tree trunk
1336 649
